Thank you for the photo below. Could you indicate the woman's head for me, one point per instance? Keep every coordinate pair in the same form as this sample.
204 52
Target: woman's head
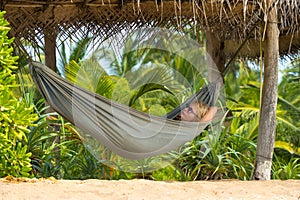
194 112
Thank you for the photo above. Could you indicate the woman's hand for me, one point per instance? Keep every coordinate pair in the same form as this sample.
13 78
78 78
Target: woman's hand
210 114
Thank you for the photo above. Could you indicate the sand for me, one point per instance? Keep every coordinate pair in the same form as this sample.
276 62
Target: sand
138 189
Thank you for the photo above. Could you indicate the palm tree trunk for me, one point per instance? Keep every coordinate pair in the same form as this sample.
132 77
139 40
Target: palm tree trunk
267 121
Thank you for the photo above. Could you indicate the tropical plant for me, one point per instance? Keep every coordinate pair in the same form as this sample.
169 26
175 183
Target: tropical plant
72 51
246 104
142 74
282 169
289 95
15 115
218 155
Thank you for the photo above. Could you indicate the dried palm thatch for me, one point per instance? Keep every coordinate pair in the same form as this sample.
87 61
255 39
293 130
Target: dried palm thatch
232 21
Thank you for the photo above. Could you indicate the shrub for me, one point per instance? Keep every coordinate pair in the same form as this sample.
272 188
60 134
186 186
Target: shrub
15 116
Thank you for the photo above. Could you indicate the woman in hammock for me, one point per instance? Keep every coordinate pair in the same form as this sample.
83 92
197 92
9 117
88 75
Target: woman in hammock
197 112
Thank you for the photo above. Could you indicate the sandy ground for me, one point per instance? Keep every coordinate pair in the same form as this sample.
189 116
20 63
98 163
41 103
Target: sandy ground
145 189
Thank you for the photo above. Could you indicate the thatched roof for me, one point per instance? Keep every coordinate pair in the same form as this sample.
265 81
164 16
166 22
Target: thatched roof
231 20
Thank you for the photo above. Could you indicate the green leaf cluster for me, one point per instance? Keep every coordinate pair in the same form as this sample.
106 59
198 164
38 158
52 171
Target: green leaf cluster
15 116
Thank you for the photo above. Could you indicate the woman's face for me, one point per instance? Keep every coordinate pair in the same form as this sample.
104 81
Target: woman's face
190 113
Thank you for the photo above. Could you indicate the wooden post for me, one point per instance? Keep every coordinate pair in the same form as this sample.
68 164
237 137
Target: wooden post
267 121
215 57
50 49
50 61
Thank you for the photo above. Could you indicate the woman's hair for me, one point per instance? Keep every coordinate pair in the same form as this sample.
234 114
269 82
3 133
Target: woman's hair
203 108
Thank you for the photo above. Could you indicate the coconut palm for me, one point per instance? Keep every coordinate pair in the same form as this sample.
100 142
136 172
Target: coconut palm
147 70
73 51
246 105
289 90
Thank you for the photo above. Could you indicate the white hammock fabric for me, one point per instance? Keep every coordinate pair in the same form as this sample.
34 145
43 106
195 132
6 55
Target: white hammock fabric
128 132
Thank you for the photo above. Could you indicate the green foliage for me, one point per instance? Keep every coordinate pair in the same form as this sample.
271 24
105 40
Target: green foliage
122 91
289 103
282 169
77 51
14 161
217 156
157 110
56 150
244 104
15 115
169 173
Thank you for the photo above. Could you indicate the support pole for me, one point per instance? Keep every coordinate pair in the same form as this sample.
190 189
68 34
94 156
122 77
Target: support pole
215 57
50 49
267 121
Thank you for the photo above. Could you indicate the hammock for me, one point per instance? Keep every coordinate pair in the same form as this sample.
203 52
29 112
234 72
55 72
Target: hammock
128 132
